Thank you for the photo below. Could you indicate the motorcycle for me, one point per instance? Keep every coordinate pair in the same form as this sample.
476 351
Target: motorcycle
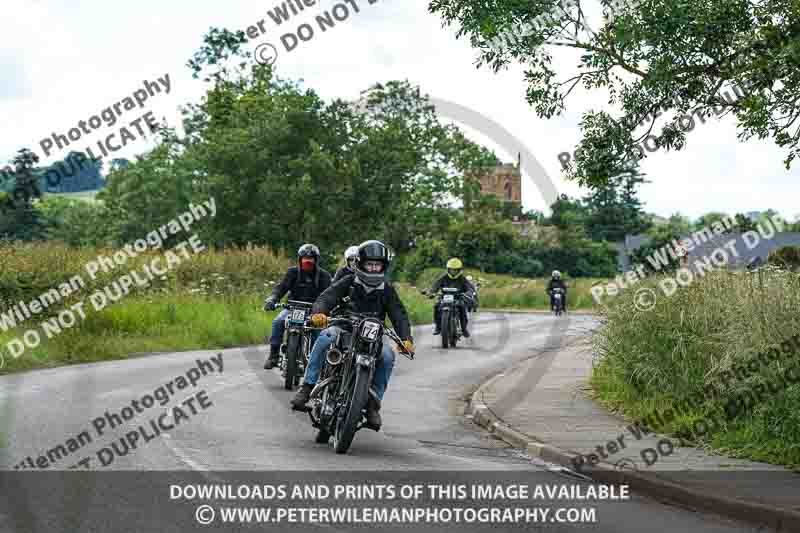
336 404
296 346
558 301
452 300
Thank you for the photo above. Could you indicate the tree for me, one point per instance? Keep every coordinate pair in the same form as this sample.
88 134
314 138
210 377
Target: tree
705 221
647 56
19 220
285 167
743 224
566 212
614 209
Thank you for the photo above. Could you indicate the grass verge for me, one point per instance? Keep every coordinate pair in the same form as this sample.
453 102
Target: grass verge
702 350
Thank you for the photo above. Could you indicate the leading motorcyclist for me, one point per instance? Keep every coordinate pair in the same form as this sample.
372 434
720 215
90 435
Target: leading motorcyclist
453 278
304 283
557 283
368 292
349 268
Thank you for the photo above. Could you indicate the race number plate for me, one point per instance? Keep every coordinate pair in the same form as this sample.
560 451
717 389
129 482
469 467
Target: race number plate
448 298
298 314
370 330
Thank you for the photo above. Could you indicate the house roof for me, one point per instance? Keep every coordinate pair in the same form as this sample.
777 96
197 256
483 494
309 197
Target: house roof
747 249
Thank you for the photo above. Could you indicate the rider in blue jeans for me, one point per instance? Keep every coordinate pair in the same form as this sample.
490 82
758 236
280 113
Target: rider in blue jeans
368 292
304 283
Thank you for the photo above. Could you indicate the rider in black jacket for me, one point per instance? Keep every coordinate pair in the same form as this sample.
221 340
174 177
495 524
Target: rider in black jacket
304 283
349 269
368 292
556 283
454 278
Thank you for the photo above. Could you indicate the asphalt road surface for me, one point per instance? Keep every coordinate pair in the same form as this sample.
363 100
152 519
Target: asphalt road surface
242 422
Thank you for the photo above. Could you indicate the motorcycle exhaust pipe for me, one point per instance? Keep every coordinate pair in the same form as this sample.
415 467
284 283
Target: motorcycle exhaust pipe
334 357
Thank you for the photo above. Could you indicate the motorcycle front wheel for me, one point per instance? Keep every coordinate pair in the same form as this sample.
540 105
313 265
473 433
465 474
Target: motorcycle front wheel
292 351
445 318
347 424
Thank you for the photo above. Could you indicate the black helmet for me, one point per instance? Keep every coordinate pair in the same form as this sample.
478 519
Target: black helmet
308 250
372 251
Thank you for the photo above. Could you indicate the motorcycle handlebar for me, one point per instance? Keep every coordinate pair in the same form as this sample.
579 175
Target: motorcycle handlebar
389 332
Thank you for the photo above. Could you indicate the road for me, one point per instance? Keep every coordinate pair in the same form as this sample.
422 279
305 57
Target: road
248 425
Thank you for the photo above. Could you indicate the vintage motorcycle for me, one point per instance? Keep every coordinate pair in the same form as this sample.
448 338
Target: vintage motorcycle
336 404
452 300
296 345
558 301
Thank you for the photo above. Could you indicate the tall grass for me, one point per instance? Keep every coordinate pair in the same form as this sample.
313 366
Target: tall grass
686 344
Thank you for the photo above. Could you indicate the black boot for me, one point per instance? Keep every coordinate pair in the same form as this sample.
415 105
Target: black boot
272 360
464 331
301 398
373 413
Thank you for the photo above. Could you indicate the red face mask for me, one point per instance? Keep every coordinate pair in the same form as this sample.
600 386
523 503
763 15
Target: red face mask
307 265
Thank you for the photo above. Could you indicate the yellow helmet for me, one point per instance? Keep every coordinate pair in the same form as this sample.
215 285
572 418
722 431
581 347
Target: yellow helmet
454 267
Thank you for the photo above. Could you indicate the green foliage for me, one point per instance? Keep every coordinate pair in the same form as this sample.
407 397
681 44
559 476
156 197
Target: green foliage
614 209
787 257
651 55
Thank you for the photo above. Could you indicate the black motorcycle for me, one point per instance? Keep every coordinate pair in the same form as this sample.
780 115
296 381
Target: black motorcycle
296 345
558 301
337 403
451 302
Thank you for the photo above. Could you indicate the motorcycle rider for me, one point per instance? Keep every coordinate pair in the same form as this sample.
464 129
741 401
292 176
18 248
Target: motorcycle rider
368 292
453 278
473 305
350 256
304 283
556 283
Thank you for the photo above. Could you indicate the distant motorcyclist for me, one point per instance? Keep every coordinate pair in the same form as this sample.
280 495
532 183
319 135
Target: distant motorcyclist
473 306
556 283
349 268
304 283
368 292
453 278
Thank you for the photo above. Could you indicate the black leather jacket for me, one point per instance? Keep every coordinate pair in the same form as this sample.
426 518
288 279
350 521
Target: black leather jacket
556 283
302 286
382 302
461 283
342 272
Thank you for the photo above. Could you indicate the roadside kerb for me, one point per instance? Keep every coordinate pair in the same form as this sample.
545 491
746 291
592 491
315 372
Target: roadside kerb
649 484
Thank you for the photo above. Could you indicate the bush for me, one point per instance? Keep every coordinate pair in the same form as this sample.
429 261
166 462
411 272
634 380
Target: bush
787 257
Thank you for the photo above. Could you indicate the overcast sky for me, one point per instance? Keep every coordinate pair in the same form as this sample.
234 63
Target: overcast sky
62 61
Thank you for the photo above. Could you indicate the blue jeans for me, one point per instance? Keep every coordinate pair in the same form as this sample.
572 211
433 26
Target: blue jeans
279 326
383 371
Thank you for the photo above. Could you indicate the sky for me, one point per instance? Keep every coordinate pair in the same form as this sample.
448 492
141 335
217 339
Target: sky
63 61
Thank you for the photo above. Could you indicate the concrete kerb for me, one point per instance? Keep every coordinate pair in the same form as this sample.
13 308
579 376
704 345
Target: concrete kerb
649 484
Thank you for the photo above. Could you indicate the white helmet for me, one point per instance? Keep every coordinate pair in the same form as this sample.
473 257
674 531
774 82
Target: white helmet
556 274
351 253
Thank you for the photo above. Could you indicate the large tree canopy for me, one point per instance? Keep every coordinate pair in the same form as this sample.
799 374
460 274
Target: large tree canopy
648 55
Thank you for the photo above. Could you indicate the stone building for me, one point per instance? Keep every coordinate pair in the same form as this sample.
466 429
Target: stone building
503 181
